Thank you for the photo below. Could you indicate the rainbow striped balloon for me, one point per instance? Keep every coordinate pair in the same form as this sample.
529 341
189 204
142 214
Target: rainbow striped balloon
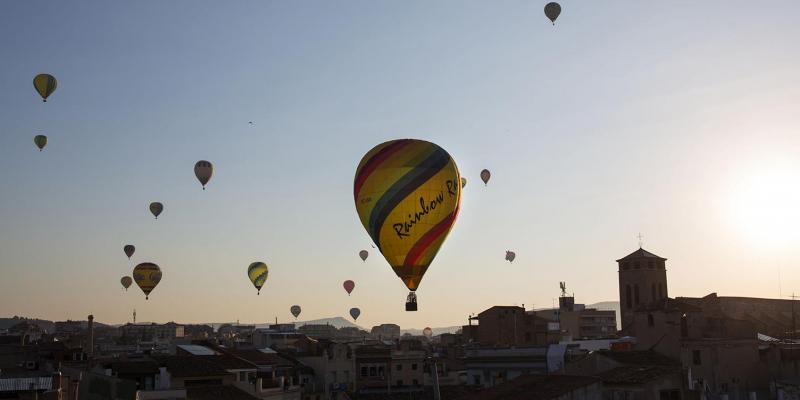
407 194
147 275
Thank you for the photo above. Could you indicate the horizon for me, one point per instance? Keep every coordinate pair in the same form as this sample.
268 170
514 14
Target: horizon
621 119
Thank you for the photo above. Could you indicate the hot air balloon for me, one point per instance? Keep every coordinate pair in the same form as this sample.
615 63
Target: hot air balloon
258 272
203 171
363 254
295 310
463 182
485 175
156 208
129 249
126 282
349 286
428 332
147 275
510 256
45 84
407 194
355 312
552 10
40 141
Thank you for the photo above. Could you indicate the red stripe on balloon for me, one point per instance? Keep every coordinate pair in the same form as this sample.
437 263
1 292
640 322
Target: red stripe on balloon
425 241
376 160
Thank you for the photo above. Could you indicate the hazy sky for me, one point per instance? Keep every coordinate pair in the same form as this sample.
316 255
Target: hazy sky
679 120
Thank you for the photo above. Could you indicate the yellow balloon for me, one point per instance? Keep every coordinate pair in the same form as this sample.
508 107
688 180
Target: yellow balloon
407 194
258 272
45 85
147 276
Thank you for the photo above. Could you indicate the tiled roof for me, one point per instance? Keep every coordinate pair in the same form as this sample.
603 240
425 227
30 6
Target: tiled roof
641 253
26 384
533 387
191 366
637 374
217 393
259 357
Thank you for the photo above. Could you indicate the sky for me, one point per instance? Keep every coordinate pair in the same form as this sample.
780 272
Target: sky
677 120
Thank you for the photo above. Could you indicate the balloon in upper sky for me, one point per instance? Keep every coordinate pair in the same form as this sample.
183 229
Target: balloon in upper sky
485 175
156 208
45 84
295 310
355 312
258 272
463 182
363 254
510 256
203 171
349 286
40 141
126 282
147 276
407 194
552 10
428 332
129 249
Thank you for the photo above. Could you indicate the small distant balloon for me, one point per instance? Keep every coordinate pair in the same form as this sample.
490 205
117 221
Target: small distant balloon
363 254
463 182
258 273
510 256
203 170
355 312
349 286
552 10
40 141
156 208
295 310
129 249
147 276
45 84
126 282
485 176
428 332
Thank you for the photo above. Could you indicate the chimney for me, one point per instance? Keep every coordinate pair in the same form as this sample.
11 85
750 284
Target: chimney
91 335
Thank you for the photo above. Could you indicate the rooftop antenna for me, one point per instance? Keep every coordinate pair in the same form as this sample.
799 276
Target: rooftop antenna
134 315
640 239
563 286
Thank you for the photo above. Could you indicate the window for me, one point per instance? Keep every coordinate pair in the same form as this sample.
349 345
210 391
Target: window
380 371
415 382
527 336
650 321
673 394
696 360
364 371
399 367
399 382
653 289
636 294
628 302
242 377
373 371
414 366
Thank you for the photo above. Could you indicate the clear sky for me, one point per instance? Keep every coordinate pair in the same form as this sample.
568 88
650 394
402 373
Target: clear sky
675 119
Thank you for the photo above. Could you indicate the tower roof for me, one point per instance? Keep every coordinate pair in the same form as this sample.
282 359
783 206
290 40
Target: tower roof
641 253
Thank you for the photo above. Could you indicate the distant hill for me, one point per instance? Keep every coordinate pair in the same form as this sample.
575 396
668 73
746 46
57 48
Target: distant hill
45 325
338 322
436 331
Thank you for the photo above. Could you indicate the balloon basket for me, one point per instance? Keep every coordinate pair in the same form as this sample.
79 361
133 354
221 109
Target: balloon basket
411 302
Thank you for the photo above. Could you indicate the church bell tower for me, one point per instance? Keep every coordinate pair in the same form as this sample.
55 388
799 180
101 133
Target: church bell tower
642 282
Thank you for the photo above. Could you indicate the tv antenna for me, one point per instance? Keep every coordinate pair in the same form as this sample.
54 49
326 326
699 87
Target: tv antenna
563 286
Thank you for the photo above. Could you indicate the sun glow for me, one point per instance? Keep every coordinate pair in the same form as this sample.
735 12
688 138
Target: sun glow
765 205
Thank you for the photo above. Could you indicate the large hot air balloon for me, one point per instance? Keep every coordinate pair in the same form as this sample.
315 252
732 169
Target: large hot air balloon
156 208
363 254
147 275
126 282
258 272
45 84
485 175
40 141
552 10
428 332
407 194
203 171
510 256
349 286
295 310
355 312
463 182
129 249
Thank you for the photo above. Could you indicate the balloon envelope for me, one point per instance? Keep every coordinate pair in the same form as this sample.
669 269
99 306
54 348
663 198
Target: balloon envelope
485 175
156 208
129 249
295 310
407 194
40 141
355 312
203 171
45 84
463 182
126 282
552 11
258 272
349 286
363 254
147 276
510 256
428 332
